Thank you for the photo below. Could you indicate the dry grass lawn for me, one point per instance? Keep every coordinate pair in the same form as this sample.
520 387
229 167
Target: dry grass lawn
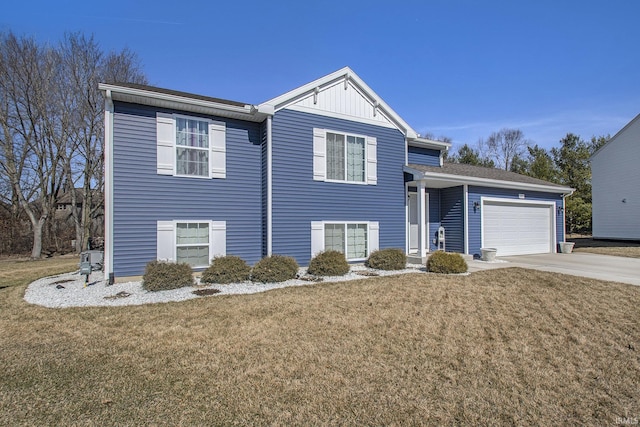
22 271
606 247
500 347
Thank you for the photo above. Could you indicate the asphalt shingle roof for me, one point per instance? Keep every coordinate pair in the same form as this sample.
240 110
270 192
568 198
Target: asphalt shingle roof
463 170
179 93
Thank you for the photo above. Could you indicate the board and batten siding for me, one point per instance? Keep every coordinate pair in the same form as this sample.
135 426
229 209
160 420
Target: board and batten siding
298 199
142 197
615 181
423 156
475 214
452 218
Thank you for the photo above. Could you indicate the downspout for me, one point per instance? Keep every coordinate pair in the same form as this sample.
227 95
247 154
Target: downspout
269 187
108 188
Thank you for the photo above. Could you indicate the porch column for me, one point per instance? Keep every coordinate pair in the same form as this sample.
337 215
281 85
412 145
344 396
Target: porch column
423 242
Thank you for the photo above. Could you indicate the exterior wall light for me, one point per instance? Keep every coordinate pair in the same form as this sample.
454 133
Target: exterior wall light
560 210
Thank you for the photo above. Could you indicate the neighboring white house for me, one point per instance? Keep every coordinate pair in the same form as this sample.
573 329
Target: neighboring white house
615 170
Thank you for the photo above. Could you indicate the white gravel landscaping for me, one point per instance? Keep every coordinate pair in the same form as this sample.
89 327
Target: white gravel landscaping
68 290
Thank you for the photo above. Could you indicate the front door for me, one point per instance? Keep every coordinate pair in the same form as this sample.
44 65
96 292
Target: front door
414 231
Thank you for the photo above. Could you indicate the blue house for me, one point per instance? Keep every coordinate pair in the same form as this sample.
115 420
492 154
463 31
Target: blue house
328 165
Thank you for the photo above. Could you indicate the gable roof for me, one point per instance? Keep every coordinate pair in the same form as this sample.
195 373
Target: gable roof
621 131
479 175
307 95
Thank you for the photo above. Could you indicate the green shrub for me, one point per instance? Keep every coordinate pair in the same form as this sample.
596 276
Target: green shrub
274 268
387 259
446 263
162 276
226 269
329 263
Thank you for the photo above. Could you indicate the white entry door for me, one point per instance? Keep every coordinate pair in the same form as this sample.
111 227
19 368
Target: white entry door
518 227
414 232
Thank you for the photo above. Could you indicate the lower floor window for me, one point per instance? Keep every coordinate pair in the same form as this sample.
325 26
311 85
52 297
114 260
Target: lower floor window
350 239
192 243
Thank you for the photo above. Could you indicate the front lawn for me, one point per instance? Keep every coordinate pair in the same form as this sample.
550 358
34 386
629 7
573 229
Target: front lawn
501 347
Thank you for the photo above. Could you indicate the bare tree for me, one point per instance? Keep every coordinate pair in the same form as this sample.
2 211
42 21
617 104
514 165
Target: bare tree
504 146
85 66
51 127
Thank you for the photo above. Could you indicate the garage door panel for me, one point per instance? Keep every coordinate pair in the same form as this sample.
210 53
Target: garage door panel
517 228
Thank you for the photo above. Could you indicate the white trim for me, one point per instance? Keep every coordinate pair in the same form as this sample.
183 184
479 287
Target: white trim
466 219
370 143
422 217
321 245
495 183
347 76
186 103
332 114
406 219
269 187
429 143
550 204
108 185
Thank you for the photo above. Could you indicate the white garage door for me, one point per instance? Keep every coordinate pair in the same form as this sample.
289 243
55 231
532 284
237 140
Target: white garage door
517 228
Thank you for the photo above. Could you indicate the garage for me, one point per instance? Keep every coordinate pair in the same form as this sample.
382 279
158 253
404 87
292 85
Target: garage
518 227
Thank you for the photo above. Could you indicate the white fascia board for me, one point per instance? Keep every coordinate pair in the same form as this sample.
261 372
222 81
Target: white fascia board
496 183
135 95
346 73
429 143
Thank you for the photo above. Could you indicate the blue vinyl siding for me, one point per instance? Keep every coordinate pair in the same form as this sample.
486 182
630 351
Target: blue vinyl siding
298 199
142 197
423 156
475 195
452 217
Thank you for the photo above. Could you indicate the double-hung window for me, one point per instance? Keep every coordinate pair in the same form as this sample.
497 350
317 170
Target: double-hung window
344 157
192 243
350 239
195 242
192 147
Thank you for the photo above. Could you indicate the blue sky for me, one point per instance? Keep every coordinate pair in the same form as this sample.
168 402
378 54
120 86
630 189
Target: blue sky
457 68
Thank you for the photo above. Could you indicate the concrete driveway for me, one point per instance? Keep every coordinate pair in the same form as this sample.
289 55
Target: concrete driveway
602 267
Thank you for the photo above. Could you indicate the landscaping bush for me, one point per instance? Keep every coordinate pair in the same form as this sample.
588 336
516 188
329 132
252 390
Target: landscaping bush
387 259
226 269
275 268
329 263
446 263
162 276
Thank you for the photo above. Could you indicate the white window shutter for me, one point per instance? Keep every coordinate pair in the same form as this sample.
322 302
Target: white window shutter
166 241
218 144
218 239
317 237
165 142
372 161
374 236
319 154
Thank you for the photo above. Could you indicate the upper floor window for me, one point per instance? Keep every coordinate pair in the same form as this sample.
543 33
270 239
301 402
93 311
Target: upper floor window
190 146
345 157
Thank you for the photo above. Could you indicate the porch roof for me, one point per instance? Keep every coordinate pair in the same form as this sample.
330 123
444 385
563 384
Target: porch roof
452 174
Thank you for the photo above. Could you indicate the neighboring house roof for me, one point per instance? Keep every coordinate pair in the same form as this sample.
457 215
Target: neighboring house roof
166 98
457 173
608 144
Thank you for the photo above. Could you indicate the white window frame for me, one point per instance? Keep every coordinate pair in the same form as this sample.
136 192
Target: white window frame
176 146
320 157
190 245
318 245
346 154
167 146
167 239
